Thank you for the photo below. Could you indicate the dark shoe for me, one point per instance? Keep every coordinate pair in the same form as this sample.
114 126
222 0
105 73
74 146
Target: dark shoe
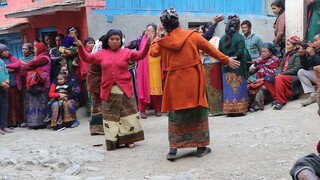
201 152
143 115
278 106
273 103
158 114
172 155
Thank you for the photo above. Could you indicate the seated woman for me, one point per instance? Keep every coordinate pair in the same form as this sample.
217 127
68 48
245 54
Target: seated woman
286 81
69 117
265 67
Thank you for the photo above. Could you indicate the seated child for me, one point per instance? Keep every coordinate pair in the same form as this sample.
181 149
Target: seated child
67 44
58 92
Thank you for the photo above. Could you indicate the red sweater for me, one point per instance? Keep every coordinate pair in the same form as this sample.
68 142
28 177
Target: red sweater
114 66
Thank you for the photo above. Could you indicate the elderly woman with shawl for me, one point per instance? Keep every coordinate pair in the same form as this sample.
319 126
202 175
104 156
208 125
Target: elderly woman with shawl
265 68
286 82
184 93
28 55
36 102
235 92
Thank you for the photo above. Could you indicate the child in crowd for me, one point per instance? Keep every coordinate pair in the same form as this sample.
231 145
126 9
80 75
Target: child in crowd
58 92
67 47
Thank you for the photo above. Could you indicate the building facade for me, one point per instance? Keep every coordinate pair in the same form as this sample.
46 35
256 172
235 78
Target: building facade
131 16
24 21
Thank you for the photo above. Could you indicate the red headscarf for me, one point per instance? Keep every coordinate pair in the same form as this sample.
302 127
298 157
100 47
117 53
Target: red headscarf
42 49
295 40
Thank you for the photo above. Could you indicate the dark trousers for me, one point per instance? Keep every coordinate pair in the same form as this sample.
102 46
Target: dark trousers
3 108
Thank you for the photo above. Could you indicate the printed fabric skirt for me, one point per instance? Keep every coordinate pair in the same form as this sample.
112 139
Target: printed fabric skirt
235 93
189 128
96 125
36 109
120 122
214 88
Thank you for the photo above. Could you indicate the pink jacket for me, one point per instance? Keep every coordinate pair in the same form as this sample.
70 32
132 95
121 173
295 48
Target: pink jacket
14 67
114 65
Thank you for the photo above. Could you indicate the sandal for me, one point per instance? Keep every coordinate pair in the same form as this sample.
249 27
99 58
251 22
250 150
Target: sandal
278 106
131 145
203 153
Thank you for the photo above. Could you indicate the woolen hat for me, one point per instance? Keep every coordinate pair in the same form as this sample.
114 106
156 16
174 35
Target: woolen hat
3 47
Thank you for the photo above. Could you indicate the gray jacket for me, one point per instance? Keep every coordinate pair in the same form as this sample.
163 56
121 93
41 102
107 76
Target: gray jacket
253 44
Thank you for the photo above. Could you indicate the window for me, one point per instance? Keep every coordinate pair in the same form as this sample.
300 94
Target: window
3 3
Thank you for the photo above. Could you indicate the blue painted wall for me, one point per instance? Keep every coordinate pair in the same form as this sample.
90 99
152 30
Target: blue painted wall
13 41
196 7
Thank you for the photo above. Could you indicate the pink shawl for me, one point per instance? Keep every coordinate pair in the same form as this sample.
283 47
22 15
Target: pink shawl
143 75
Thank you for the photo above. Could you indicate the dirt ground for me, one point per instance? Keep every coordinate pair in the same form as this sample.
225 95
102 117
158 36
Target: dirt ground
261 145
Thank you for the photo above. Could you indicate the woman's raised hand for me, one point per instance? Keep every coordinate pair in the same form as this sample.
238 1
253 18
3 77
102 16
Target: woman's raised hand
150 39
234 64
77 41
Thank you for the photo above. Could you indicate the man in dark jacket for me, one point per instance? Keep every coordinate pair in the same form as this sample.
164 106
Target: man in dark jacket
309 57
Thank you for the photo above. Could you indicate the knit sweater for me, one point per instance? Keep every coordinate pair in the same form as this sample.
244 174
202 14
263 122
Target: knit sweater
114 66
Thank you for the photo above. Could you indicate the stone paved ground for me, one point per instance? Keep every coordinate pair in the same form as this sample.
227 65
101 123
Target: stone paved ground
261 145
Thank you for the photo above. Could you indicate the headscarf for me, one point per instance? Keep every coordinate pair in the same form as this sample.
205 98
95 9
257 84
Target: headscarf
3 47
169 19
295 40
270 47
232 25
42 49
110 33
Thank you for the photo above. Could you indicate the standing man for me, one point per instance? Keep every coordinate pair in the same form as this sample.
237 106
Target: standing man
252 40
309 57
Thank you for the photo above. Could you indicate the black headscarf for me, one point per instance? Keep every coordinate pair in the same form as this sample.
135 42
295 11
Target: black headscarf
169 19
232 27
110 33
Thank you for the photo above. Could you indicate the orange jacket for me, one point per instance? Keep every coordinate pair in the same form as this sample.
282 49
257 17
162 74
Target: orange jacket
184 74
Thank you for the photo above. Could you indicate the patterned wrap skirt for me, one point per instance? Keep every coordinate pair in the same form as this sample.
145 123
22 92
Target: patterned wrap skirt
120 121
96 125
189 128
36 108
214 88
235 93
